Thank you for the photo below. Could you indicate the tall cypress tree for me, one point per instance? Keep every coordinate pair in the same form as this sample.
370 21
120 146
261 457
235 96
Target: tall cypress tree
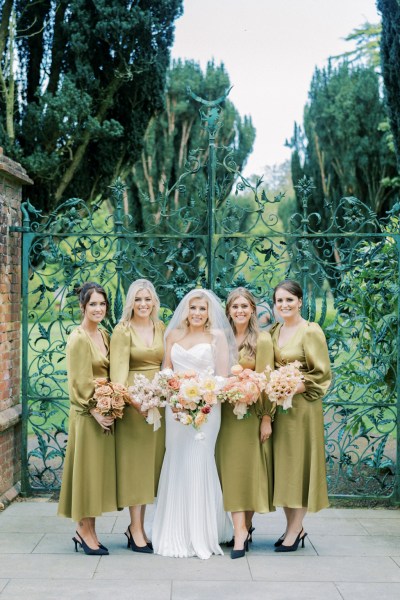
91 75
390 60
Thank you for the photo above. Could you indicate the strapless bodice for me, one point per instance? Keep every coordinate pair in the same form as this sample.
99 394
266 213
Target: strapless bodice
199 357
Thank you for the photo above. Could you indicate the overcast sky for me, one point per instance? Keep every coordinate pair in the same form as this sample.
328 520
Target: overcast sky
270 49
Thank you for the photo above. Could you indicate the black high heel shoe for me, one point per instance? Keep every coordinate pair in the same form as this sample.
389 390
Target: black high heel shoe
241 553
87 550
231 542
294 546
135 548
102 547
280 540
251 529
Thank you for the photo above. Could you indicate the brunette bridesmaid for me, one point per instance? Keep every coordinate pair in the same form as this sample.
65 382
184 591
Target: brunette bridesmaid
298 441
137 347
244 450
89 483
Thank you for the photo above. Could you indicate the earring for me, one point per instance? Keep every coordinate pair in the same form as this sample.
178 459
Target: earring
187 322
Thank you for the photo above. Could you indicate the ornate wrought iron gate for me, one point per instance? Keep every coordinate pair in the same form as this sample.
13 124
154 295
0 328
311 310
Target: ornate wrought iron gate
346 260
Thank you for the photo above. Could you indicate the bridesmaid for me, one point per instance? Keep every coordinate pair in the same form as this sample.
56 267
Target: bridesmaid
137 347
89 483
298 442
244 451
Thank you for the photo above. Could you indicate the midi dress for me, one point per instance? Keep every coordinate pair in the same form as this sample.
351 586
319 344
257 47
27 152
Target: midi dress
139 449
245 465
298 434
88 485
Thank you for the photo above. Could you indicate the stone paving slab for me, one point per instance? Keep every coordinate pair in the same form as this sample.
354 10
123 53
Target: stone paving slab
254 590
78 589
350 554
297 567
355 545
38 566
381 526
19 543
396 556
147 566
369 591
3 583
51 524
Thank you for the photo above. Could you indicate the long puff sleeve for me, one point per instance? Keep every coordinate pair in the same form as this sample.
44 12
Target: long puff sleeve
264 357
80 370
318 373
120 349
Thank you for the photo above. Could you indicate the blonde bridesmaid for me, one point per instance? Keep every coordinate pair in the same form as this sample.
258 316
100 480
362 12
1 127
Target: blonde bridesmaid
137 347
298 441
89 483
244 451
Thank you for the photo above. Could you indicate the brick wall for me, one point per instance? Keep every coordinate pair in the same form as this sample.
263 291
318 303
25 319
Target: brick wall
12 177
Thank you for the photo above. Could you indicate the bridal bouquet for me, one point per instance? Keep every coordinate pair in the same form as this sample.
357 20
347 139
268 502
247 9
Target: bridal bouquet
243 389
151 395
109 398
192 395
283 382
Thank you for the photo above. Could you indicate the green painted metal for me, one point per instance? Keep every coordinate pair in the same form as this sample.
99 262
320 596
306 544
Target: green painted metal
226 233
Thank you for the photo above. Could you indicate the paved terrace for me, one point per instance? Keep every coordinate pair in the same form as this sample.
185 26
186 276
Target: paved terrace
350 554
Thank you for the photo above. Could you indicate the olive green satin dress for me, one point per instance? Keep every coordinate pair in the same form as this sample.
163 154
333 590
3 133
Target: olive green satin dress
139 449
89 481
298 434
245 465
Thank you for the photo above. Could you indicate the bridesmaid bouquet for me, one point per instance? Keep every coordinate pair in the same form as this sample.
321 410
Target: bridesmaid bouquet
191 395
109 398
243 389
151 395
283 382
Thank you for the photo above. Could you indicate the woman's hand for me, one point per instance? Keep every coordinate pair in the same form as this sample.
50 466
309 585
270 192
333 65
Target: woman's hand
136 405
105 422
300 388
265 428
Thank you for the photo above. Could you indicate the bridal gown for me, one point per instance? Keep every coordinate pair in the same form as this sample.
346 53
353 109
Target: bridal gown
190 519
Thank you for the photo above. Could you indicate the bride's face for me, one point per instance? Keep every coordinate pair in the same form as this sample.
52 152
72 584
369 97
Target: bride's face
198 312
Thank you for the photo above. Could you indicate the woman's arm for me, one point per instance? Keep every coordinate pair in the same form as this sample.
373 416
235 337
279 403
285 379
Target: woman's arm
265 409
81 378
120 354
317 376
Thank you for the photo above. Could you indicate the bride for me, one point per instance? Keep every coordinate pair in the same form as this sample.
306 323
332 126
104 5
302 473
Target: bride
190 519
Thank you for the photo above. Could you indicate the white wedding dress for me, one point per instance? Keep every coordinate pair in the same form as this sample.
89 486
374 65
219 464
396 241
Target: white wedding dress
189 518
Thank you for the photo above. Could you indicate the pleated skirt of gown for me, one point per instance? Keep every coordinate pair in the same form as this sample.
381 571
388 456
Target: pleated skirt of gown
190 519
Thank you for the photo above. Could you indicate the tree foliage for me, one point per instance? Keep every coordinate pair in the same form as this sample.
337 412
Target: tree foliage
90 74
174 142
367 39
390 61
176 132
343 147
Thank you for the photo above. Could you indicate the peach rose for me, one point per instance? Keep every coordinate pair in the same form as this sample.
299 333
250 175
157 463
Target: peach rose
200 418
236 369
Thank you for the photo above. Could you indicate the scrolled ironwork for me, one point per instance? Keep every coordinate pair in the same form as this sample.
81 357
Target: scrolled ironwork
224 232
